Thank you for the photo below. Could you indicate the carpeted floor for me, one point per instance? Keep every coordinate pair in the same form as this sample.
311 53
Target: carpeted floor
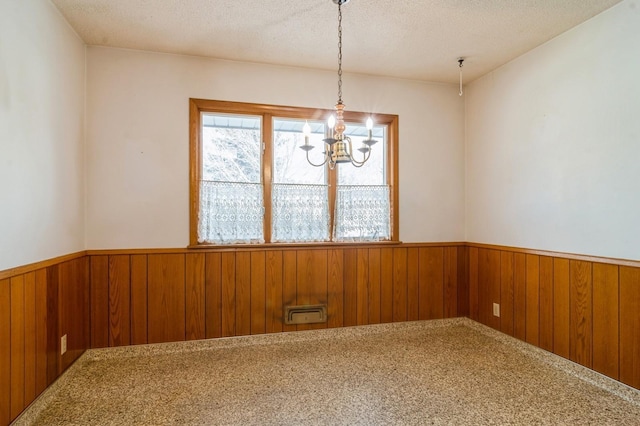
419 373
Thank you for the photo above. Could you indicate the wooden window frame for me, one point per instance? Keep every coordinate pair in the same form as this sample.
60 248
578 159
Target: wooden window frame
268 112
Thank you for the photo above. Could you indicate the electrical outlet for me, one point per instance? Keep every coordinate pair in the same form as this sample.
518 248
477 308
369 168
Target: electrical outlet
496 310
63 344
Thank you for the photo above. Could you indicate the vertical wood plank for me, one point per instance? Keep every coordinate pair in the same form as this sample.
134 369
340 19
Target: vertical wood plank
29 338
166 298
139 304
546 303
630 326
413 295
5 352
273 285
580 324
258 293
605 320
17 345
561 307
488 286
289 283
213 295
195 296
519 295
386 285
243 293
312 281
463 281
450 282
99 301
119 300
399 284
532 303
362 289
506 292
374 286
350 287
41 330
473 284
228 273
74 309
335 288
53 323
434 297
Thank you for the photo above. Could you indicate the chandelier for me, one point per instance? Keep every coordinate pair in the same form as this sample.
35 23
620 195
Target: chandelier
338 146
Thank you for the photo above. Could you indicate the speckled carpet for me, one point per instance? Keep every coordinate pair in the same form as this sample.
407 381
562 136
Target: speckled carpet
417 373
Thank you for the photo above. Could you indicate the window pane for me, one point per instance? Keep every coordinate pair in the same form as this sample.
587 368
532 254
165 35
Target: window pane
362 213
231 148
230 213
300 213
373 171
289 161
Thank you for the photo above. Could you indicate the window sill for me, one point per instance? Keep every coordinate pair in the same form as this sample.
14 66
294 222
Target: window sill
316 245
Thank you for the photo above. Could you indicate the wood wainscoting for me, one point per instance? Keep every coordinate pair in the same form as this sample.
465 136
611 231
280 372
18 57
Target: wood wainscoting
582 308
586 309
162 296
39 303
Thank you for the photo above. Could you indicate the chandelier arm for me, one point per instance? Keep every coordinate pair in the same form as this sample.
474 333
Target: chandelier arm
355 162
326 158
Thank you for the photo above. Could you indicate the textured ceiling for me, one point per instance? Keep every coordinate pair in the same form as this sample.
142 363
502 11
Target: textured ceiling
415 39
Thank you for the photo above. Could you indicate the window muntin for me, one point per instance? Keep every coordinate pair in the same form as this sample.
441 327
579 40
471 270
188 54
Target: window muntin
386 125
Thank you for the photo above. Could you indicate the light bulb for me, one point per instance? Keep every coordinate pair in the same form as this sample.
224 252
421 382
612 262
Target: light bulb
369 123
306 130
332 122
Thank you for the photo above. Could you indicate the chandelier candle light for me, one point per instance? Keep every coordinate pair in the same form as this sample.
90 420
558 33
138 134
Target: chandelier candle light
338 146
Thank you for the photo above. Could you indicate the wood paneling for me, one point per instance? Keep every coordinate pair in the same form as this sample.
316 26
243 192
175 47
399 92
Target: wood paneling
17 345
580 324
519 295
166 297
488 286
450 282
243 293
119 301
362 286
53 324
532 299
463 281
195 296
228 284
73 309
374 284
335 289
29 338
399 284
561 307
630 326
432 283
99 301
350 282
41 330
213 295
473 283
139 299
5 351
506 292
289 284
546 303
605 319
258 293
413 298
386 285
273 291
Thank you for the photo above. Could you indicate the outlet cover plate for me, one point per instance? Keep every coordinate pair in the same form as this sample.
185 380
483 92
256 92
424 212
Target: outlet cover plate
496 310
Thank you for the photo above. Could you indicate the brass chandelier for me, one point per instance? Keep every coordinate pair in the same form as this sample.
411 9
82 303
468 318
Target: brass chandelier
338 146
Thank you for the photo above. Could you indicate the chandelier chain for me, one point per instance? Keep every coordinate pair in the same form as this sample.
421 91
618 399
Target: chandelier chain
339 52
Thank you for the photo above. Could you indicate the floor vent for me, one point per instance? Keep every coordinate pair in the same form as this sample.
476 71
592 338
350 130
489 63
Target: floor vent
305 314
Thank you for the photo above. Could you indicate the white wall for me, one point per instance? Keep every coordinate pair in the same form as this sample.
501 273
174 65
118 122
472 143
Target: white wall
553 143
42 64
137 140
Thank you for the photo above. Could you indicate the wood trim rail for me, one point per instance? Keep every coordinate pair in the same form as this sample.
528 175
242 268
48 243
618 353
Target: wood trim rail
23 269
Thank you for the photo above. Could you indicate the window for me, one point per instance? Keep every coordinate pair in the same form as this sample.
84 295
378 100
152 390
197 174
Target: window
251 183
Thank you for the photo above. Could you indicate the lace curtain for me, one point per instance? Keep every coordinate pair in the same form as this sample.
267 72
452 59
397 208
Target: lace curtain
230 213
300 213
362 213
